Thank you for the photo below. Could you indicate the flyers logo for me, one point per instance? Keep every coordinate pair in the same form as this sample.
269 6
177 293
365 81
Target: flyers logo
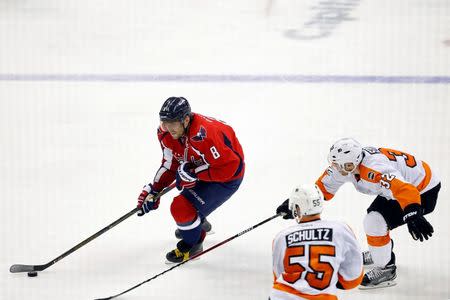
201 135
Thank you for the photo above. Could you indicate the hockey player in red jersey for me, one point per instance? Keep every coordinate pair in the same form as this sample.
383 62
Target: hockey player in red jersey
205 158
406 190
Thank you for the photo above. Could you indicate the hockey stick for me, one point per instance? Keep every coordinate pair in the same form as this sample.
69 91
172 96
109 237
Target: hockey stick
195 256
29 268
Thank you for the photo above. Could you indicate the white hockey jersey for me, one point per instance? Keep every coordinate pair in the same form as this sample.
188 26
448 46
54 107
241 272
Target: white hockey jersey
386 172
310 258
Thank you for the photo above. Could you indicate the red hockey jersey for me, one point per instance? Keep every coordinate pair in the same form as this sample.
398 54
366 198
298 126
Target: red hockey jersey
211 145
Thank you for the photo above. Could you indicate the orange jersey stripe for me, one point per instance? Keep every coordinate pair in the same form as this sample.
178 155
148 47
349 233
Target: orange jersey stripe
290 290
426 180
319 183
350 284
378 241
369 174
404 193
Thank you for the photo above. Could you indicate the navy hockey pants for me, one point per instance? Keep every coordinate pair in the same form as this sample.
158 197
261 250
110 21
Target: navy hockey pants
206 197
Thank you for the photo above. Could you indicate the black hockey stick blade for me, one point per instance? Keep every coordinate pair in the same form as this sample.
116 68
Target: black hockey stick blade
18 268
21 268
194 257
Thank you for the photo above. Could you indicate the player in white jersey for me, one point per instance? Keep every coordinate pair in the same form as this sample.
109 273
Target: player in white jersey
314 257
406 189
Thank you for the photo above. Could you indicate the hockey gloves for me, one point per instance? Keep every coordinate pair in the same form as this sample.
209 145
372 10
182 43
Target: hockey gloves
418 226
146 206
186 177
285 211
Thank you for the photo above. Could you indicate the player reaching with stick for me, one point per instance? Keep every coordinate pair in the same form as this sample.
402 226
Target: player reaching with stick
406 190
313 257
206 159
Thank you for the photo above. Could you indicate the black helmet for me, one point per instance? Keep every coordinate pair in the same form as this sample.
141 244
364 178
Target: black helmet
174 109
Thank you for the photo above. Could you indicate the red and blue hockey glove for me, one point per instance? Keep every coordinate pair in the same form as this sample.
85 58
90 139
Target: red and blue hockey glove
186 177
148 193
418 226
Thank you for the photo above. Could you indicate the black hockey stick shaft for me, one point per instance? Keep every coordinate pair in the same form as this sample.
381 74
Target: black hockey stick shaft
195 256
17 268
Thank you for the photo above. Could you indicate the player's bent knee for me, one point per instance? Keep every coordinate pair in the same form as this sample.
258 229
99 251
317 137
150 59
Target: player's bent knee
182 210
375 224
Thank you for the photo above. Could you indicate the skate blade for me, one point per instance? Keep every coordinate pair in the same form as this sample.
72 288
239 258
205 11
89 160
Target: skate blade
168 262
378 286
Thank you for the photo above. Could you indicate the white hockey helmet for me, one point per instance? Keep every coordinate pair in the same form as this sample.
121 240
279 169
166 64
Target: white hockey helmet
343 151
308 198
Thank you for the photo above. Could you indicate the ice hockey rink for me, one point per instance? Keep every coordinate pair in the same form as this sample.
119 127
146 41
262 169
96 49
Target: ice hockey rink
81 85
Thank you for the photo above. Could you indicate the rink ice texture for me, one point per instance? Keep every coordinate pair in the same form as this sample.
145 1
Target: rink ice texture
75 154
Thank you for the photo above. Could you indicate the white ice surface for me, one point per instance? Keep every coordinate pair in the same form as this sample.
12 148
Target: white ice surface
74 155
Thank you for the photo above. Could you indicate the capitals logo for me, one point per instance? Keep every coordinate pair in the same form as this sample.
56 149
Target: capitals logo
201 135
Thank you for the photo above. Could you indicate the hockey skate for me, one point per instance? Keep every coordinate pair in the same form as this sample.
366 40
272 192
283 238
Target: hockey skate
379 278
206 226
183 252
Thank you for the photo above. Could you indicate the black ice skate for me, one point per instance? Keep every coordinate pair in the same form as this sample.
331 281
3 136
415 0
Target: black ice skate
206 226
183 252
379 278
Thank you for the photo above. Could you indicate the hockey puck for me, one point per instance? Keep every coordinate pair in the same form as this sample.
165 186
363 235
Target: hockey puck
32 274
